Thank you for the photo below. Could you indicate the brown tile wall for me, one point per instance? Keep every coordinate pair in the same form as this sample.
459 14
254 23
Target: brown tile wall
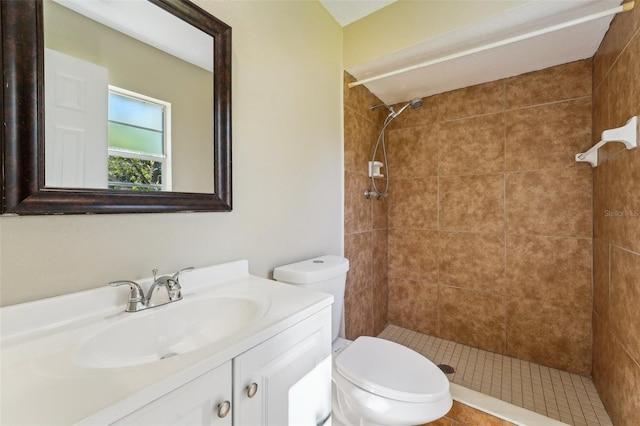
365 220
616 205
490 217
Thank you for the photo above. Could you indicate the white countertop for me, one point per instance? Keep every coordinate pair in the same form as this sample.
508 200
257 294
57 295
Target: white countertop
41 384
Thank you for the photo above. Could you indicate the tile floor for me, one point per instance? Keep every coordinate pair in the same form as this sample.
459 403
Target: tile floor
554 393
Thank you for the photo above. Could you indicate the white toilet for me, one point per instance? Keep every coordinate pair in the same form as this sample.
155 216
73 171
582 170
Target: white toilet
375 381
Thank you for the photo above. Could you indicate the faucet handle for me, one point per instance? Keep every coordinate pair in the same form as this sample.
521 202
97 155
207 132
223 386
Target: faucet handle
173 285
175 276
136 295
174 289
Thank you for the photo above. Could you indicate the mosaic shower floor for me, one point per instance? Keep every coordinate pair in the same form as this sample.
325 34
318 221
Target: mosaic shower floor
563 396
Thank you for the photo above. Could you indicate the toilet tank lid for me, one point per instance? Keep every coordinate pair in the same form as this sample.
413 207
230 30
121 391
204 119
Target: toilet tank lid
312 270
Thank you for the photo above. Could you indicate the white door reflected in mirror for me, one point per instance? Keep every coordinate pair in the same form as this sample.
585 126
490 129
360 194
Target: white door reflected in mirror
75 128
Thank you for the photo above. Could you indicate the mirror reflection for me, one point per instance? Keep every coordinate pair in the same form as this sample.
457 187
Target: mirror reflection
128 98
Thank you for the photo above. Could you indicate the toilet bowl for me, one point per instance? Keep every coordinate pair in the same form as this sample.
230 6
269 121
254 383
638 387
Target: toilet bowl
375 381
378 382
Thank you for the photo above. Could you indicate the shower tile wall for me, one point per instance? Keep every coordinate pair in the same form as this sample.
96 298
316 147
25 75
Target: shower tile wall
365 221
490 218
616 260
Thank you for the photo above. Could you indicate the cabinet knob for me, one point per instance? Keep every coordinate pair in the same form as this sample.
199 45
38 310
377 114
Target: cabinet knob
224 408
252 390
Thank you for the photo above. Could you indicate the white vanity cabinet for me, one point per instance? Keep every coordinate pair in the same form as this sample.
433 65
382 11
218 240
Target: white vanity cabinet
87 362
286 379
292 367
205 400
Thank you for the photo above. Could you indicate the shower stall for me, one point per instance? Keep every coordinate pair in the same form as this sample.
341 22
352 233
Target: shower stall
480 233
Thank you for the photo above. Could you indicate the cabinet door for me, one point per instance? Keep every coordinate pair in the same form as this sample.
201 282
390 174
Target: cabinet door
266 376
199 402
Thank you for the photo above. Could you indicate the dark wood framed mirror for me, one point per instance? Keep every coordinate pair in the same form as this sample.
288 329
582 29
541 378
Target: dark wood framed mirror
24 191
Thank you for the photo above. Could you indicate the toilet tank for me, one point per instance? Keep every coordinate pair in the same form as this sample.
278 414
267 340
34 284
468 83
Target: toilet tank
327 274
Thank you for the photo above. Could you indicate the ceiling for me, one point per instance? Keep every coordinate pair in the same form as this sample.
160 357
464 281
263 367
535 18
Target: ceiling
554 48
348 11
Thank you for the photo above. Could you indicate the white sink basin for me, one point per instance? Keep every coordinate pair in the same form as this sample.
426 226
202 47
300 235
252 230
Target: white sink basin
167 331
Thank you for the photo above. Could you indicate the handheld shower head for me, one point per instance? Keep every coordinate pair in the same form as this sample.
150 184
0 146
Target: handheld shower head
414 103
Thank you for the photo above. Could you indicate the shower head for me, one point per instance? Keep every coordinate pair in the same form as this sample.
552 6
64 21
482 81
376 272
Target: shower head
414 103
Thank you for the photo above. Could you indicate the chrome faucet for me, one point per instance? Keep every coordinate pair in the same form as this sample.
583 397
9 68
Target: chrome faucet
137 300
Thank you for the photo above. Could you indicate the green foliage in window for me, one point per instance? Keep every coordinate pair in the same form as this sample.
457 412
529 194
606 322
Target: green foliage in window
134 174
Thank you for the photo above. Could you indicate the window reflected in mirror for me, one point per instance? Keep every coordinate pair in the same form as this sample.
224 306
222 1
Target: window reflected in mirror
139 142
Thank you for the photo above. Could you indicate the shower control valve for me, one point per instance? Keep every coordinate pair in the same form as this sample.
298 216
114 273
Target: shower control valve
368 194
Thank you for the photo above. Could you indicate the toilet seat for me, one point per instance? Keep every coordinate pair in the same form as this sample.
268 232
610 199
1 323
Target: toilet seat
391 370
